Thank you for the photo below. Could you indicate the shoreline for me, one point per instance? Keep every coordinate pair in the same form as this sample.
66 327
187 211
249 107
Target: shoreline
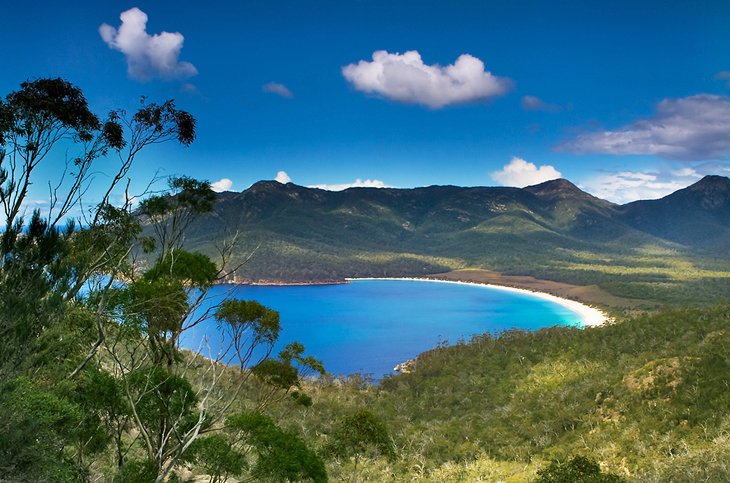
590 316
284 284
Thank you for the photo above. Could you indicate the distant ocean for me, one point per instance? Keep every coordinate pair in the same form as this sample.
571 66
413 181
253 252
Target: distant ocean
369 326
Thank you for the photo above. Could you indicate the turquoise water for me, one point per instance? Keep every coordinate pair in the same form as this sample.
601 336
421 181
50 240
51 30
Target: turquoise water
369 326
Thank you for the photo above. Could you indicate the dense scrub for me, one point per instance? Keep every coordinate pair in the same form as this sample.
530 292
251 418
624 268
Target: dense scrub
647 398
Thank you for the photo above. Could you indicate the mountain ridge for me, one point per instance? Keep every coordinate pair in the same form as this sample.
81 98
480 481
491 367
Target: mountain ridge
705 183
552 230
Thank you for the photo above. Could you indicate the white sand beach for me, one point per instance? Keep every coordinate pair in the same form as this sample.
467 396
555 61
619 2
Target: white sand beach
590 316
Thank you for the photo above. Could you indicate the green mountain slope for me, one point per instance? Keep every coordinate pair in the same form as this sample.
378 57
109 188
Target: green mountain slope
554 231
696 216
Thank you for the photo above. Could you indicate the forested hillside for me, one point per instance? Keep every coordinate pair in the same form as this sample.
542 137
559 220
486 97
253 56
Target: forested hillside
647 398
667 250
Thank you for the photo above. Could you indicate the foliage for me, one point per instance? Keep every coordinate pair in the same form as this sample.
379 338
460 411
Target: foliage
361 434
137 471
171 213
162 400
245 315
186 267
35 426
280 455
578 470
286 371
216 457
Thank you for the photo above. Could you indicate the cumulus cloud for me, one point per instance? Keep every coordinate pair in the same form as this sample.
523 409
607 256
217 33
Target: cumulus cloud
688 128
278 89
626 186
532 103
282 177
521 173
223 184
147 55
406 78
358 183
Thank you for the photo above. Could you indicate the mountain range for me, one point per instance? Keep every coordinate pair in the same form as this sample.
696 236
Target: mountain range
553 230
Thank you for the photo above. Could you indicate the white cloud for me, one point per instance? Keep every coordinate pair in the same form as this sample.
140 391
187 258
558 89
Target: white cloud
532 103
688 128
358 183
626 186
405 78
223 184
282 177
522 173
147 55
278 89
686 172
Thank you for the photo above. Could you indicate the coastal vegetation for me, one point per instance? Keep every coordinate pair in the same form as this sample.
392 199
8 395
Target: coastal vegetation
94 386
645 397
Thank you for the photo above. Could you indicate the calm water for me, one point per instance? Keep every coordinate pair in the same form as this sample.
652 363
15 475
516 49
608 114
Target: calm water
369 326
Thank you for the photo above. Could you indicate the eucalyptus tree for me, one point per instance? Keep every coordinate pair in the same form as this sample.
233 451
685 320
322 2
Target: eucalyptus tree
86 361
45 261
155 310
48 333
359 435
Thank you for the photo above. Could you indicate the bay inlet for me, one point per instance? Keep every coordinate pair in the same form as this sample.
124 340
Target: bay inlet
369 326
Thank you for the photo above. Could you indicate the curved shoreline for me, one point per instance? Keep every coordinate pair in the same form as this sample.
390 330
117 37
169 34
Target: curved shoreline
590 316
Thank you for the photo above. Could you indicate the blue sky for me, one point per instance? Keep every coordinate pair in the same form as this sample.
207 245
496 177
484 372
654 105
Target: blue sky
626 99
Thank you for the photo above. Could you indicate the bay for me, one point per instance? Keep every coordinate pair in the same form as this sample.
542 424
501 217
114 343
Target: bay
369 326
